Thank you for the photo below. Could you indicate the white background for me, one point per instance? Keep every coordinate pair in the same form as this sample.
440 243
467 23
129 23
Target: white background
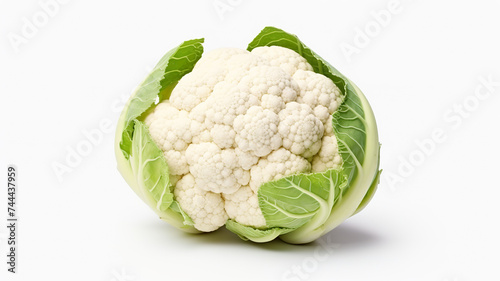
435 216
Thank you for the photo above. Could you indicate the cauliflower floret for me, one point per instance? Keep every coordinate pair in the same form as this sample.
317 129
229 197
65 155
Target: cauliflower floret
169 127
322 113
174 179
319 92
245 159
177 162
240 65
205 208
163 110
284 58
276 165
271 80
329 126
200 131
301 129
328 156
272 102
171 131
200 125
216 170
227 102
195 87
257 131
199 113
213 68
243 207
223 136
217 57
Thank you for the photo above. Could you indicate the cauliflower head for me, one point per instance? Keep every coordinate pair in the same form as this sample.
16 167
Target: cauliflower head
270 141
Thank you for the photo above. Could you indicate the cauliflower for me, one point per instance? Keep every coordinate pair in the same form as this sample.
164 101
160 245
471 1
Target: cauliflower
258 140
216 169
327 157
257 131
283 58
205 208
243 206
278 164
318 92
301 129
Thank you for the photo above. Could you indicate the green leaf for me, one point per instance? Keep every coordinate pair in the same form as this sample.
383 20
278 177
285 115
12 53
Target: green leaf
254 234
146 171
150 168
349 126
176 207
292 201
172 66
369 194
